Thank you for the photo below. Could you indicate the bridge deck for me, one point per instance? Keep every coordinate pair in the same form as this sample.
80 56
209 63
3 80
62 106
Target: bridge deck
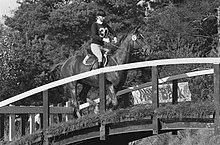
128 131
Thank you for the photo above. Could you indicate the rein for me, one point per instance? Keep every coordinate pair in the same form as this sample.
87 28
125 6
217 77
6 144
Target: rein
115 46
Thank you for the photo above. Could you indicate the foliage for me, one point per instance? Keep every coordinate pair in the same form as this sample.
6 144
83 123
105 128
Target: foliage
68 22
45 33
25 64
172 28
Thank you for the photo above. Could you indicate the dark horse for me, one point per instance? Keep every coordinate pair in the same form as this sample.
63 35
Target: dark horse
74 65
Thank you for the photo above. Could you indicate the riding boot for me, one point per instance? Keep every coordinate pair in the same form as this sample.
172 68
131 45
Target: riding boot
100 65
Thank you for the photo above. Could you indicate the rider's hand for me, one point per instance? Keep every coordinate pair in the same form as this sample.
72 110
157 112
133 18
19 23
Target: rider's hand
107 40
115 40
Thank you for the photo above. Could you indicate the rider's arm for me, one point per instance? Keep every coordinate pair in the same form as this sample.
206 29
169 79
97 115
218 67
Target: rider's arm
111 31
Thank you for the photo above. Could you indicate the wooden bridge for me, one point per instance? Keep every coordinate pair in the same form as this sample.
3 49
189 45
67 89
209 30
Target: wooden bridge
118 127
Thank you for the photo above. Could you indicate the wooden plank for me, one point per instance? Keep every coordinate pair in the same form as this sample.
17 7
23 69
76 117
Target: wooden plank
59 115
21 109
217 97
46 115
11 127
85 105
102 93
41 121
2 129
108 69
51 118
23 124
68 104
218 21
187 125
155 98
175 92
102 96
33 110
175 99
32 123
45 110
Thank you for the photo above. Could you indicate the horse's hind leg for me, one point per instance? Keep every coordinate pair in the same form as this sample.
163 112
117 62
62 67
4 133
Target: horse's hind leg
74 100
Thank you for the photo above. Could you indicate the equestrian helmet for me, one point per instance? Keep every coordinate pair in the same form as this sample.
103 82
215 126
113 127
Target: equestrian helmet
101 12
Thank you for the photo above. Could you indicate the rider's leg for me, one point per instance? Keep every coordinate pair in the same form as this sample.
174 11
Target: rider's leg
96 50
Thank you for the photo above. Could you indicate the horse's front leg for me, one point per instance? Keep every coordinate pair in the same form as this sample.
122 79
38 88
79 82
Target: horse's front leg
83 93
74 99
84 98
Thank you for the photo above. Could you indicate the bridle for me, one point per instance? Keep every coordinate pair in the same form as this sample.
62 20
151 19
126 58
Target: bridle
134 39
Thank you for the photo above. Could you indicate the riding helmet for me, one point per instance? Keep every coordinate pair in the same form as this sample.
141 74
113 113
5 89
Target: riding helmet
101 12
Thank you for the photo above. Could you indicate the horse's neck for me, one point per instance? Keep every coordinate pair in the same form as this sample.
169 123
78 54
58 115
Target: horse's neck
122 54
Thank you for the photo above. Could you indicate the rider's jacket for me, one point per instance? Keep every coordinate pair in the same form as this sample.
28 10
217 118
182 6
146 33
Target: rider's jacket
100 31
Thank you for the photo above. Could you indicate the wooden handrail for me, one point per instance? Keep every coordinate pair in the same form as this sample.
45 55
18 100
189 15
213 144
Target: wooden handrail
166 79
106 70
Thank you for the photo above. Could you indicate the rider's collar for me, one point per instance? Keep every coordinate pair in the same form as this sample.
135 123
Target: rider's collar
99 22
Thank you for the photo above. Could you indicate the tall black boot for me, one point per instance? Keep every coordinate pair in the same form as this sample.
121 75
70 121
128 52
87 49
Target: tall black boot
100 65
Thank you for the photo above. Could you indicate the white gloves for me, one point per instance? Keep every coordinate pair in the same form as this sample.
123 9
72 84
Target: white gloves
107 40
115 40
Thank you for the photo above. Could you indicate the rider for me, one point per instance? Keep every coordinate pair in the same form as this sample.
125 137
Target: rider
100 31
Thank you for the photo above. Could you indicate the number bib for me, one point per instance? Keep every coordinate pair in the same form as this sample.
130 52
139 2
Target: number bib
103 31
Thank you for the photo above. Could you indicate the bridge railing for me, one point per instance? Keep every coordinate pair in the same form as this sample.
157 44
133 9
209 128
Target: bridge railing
17 121
101 72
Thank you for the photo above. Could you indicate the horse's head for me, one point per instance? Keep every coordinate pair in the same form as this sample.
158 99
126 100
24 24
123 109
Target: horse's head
138 45
132 45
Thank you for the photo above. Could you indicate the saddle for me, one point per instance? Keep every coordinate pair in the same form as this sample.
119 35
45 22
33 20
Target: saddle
91 59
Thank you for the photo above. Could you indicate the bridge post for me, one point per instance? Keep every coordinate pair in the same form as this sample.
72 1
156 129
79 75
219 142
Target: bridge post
155 99
217 97
46 113
218 22
175 92
59 116
175 98
11 126
32 123
102 95
23 123
2 129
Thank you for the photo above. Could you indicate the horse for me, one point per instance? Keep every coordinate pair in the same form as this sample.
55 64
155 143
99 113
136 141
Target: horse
75 64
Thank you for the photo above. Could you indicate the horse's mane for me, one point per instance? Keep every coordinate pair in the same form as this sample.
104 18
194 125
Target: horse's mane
124 36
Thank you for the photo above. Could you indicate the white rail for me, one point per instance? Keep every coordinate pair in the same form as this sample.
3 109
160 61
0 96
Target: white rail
106 70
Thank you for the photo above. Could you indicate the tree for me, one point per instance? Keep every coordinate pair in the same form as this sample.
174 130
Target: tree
68 22
47 32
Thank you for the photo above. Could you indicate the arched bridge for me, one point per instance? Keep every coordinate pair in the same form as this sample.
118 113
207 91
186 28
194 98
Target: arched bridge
125 125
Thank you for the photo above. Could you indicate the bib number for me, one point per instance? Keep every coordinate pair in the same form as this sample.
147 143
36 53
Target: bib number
103 32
